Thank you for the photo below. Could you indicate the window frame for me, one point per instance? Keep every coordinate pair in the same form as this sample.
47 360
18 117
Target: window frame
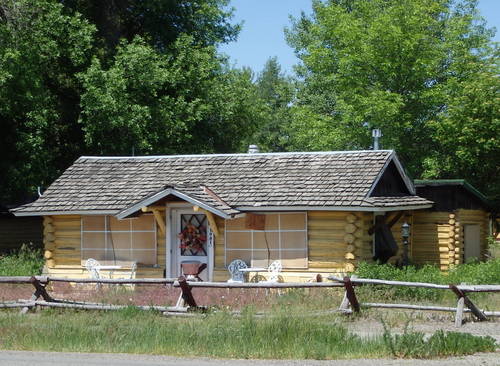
279 231
107 232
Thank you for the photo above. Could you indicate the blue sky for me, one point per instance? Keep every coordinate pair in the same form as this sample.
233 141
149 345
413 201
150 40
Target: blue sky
262 35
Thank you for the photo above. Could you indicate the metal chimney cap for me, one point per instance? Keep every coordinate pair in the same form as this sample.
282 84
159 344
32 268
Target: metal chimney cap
253 149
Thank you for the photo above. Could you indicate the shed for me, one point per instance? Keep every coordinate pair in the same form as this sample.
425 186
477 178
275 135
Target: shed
456 228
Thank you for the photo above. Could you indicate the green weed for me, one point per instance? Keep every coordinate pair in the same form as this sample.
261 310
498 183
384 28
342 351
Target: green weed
27 261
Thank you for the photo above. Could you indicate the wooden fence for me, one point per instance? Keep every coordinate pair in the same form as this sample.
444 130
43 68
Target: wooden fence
187 302
460 291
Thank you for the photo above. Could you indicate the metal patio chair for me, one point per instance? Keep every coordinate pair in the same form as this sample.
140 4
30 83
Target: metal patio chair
234 269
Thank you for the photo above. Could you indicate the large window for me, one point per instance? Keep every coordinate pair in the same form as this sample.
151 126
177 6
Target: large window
284 238
113 241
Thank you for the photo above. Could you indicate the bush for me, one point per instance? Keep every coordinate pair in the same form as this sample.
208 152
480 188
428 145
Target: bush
485 273
27 261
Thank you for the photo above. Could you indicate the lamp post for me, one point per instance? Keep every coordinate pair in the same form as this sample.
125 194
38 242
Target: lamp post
405 233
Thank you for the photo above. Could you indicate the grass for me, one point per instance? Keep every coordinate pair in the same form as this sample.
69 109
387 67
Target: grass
281 336
473 273
27 261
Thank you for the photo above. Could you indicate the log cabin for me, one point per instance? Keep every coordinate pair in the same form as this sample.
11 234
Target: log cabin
316 212
456 228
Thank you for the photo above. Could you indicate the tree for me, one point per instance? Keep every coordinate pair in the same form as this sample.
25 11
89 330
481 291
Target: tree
94 77
276 90
182 102
158 22
41 51
399 65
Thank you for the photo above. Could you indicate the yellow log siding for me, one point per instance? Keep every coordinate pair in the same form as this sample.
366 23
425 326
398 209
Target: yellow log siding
62 250
438 236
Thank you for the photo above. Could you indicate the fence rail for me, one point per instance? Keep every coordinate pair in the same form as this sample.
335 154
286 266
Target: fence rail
187 302
459 290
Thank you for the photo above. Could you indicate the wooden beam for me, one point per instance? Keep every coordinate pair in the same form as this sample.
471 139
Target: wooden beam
159 221
390 223
212 223
152 208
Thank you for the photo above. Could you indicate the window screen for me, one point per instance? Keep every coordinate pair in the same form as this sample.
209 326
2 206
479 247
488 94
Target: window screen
284 238
113 241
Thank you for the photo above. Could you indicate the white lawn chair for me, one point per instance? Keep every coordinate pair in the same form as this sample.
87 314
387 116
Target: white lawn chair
274 271
234 269
133 270
92 267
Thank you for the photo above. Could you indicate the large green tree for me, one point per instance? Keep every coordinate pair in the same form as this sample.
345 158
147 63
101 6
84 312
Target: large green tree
405 66
184 101
276 90
109 77
41 52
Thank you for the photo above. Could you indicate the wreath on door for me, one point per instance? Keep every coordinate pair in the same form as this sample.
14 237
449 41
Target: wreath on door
191 238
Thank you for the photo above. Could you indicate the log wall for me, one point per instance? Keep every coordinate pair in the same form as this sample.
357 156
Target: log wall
438 236
62 250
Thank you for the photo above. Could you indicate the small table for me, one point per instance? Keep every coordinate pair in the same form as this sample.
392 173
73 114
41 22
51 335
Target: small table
111 269
253 269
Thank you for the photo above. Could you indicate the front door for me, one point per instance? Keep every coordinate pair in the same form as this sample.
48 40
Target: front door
192 241
472 242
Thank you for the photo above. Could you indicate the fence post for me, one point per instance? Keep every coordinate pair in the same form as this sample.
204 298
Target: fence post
473 308
460 312
187 296
39 291
351 296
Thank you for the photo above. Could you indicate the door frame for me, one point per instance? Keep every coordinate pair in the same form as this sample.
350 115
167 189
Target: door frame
171 238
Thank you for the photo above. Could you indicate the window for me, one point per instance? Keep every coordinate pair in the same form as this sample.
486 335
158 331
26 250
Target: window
284 237
113 241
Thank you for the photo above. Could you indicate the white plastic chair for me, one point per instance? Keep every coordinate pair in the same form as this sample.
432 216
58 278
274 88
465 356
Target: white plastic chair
92 267
274 271
133 270
234 269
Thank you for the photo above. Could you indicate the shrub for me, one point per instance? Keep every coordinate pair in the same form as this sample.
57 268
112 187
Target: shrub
486 273
27 261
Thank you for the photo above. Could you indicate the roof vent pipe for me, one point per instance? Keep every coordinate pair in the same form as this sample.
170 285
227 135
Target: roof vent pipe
253 149
376 134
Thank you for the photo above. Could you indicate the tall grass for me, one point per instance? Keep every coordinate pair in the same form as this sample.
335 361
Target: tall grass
281 336
473 273
27 261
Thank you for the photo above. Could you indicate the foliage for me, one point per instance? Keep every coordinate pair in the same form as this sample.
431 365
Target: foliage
276 90
107 77
479 273
41 51
283 335
159 22
27 261
423 71
444 344
155 103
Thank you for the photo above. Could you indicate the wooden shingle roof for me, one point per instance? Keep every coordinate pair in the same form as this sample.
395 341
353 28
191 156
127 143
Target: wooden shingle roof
229 182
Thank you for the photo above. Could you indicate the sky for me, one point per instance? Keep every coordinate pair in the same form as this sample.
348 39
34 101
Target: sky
264 21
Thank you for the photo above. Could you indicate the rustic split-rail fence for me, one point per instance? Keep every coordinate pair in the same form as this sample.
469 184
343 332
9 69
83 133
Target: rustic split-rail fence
188 306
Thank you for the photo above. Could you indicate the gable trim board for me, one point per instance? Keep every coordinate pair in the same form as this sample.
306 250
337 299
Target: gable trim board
332 208
169 191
